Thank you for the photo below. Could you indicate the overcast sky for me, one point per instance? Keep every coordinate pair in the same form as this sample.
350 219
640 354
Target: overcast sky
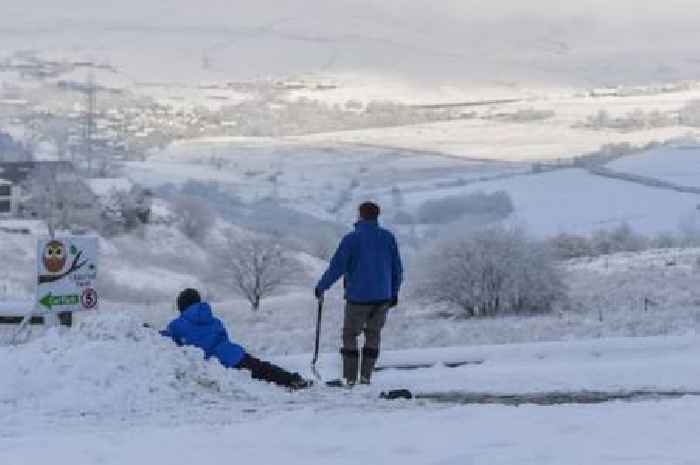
188 11
412 11
473 39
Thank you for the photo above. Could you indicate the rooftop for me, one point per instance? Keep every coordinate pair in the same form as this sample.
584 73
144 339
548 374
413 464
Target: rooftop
18 171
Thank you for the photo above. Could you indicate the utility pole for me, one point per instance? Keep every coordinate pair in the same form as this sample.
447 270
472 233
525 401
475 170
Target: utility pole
89 129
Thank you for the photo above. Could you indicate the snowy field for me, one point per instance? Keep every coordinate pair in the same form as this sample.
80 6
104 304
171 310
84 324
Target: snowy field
316 179
550 139
574 200
680 166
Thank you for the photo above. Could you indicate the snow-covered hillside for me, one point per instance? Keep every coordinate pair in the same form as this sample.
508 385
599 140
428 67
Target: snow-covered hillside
327 181
641 294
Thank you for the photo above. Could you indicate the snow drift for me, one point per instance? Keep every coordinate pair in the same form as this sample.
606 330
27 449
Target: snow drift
110 364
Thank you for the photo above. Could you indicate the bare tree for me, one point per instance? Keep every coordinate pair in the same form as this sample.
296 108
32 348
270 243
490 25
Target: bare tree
397 199
322 243
12 150
58 132
567 246
619 239
30 143
125 211
257 267
102 162
60 198
195 217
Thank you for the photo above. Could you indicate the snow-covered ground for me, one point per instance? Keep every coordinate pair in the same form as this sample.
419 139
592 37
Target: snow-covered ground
643 434
494 139
110 391
680 166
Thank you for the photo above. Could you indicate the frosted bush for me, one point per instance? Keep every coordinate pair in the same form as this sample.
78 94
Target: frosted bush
492 272
635 120
526 115
488 206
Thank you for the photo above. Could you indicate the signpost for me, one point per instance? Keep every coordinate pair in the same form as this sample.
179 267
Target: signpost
66 275
66 279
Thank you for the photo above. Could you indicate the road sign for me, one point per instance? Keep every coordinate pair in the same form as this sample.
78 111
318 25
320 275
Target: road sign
67 274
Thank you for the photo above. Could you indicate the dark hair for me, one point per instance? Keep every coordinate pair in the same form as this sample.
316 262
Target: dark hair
187 298
369 211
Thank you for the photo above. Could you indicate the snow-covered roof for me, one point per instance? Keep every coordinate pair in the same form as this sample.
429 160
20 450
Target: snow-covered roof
17 226
102 187
17 172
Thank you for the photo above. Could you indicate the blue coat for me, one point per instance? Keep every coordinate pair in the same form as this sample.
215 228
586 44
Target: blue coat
369 260
197 327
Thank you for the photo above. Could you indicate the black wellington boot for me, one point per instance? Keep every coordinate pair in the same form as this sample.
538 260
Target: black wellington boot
369 359
351 365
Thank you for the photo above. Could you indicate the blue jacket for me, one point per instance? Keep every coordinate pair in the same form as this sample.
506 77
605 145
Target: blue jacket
197 327
369 260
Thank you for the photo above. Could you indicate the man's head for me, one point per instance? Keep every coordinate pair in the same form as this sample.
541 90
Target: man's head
369 211
187 298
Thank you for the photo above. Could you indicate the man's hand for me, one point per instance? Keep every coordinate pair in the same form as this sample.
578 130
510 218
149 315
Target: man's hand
394 302
318 293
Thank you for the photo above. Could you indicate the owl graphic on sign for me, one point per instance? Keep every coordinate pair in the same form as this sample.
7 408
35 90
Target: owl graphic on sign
54 257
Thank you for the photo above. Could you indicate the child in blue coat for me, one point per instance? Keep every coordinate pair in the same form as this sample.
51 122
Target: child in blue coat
197 326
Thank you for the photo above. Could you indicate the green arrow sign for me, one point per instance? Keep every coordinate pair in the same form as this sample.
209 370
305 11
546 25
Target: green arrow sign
49 301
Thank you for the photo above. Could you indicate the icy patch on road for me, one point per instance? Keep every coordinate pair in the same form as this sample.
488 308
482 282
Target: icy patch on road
554 398
111 365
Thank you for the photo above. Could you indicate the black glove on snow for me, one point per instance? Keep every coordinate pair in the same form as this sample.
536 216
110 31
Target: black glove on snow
318 293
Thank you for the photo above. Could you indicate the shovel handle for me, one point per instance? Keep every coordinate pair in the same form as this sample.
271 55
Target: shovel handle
318 331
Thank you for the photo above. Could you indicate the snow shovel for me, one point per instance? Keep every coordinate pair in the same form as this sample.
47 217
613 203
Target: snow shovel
317 375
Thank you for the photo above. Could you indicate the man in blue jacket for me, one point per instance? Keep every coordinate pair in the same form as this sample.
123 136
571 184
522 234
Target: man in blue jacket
369 261
197 326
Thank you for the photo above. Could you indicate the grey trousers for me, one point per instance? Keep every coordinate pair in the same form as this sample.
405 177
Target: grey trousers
369 319
359 318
